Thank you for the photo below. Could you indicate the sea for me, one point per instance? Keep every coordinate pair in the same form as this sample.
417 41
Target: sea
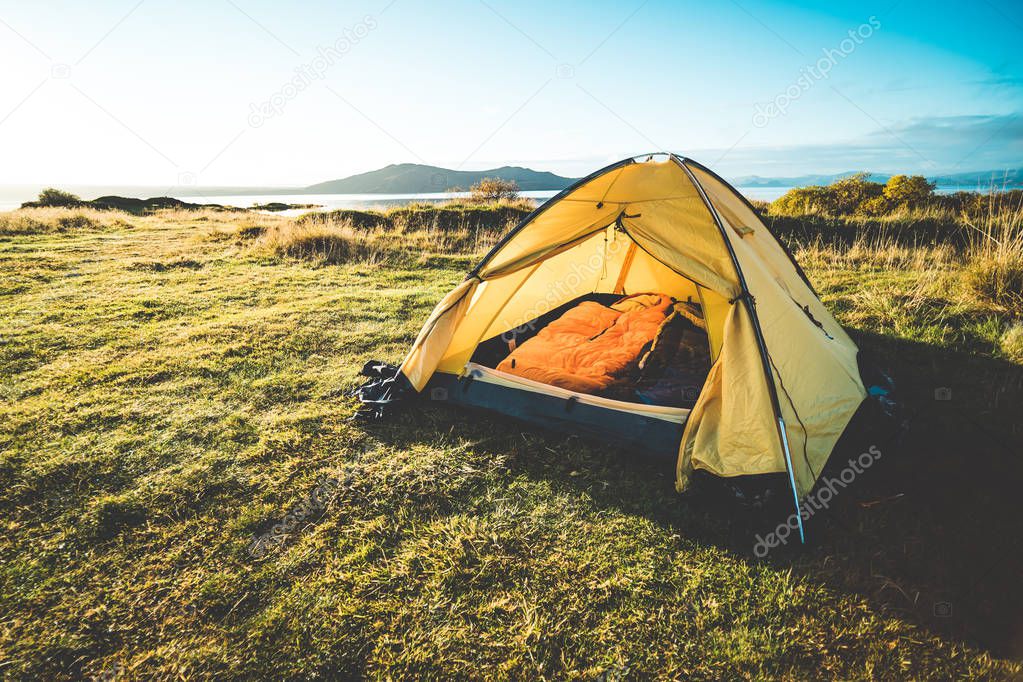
12 197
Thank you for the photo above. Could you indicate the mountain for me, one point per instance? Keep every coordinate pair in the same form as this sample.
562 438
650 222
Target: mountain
981 180
799 180
1012 177
414 178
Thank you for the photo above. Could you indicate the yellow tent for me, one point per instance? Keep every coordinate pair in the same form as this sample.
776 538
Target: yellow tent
783 379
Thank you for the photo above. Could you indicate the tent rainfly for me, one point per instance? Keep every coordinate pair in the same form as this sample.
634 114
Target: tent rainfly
649 304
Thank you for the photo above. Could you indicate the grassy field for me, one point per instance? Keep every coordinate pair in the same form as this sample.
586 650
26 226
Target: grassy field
173 388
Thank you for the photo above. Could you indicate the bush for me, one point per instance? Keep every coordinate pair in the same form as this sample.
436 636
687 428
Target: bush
856 195
875 206
494 189
812 200
978 205
901 192
910 191
842 197
851 192
57 198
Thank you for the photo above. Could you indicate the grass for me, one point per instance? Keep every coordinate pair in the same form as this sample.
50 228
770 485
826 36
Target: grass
173 387
58 220
996 268
408 235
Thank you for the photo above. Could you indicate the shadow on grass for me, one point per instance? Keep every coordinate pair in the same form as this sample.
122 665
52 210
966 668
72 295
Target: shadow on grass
932 533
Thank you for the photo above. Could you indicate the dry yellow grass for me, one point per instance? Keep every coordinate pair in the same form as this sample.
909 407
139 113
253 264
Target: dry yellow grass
995 271
330 243
983 271
1012 342
43 220
877 252
401 236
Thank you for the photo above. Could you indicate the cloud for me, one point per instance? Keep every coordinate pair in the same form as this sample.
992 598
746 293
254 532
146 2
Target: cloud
959 143
930 145
1000 81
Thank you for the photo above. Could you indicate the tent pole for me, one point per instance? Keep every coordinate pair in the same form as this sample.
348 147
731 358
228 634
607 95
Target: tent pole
788 252
747 299
792 478
543 207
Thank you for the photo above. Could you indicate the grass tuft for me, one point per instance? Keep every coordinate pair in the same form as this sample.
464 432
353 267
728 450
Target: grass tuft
998 279
112 514
995 271
59 220
1012 343
327 243
410 234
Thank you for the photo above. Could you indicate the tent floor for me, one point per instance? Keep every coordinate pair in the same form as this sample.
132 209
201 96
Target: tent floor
650 435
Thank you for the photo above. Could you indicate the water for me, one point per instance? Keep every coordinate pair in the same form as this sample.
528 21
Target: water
12 197
762 193
330 202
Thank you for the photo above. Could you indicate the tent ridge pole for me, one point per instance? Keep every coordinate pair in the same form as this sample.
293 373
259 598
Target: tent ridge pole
788 252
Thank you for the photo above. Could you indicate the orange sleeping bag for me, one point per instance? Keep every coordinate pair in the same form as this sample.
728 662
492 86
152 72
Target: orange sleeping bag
589 345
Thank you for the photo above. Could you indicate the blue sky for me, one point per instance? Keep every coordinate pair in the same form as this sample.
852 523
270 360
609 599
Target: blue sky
253 92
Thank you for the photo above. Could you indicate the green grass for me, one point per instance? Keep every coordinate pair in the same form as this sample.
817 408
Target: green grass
173 387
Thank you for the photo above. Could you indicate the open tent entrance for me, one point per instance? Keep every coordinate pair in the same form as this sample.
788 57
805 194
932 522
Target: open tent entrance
599 336
606 318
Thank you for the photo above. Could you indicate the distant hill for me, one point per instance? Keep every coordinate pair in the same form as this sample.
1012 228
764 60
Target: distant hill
1012 177
799 180
414 178
972 180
